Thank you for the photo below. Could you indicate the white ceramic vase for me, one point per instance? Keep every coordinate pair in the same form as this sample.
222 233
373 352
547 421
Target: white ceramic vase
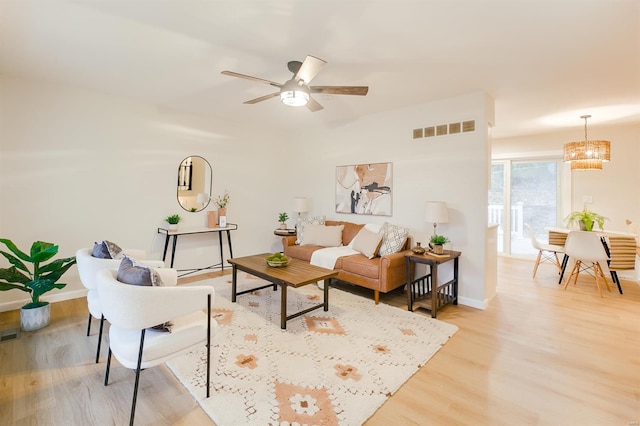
35 318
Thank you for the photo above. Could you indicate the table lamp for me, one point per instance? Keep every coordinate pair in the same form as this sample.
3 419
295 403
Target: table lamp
436 212
300 205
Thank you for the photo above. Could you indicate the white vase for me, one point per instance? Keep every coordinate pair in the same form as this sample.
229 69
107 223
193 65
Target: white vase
173 227
35 318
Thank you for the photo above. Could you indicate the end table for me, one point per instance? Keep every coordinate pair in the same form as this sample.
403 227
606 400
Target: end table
424 291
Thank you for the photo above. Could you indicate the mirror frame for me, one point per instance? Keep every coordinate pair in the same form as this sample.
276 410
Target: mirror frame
194 183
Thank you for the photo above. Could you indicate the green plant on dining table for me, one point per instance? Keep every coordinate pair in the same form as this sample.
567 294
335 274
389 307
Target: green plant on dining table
585 219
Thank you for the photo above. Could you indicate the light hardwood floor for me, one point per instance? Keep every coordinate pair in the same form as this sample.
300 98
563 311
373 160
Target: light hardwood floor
539 355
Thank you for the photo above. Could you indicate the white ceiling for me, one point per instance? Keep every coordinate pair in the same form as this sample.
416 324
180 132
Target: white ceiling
545 62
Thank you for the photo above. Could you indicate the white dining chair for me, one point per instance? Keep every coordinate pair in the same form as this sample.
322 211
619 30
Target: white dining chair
546 252
587 250
134 310
88 266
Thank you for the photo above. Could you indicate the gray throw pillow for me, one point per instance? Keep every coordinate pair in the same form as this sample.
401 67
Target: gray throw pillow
106 250
132 273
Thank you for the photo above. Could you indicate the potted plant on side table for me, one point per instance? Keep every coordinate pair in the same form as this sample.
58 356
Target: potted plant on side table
437 242
282 218
173 221
37 313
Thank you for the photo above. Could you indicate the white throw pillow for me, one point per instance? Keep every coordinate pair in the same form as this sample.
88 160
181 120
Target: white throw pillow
317 220
321 235
367 243
393 238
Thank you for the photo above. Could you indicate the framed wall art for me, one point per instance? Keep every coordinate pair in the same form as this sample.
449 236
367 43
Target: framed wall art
364 189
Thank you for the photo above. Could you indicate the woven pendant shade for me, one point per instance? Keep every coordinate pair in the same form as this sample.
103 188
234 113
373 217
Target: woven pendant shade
587 155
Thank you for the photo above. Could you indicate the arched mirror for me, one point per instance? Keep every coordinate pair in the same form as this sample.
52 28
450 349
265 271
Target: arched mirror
194 183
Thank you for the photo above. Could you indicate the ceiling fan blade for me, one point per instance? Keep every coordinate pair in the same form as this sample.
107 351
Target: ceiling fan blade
313 105
340 90
309 68
248 77
262 98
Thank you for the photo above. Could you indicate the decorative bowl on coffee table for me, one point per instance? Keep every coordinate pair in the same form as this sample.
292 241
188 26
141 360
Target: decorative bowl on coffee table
277 263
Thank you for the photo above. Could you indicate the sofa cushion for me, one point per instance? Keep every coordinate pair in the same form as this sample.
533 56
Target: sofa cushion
360 265
317 220
367 243
393 238
322 235
349 232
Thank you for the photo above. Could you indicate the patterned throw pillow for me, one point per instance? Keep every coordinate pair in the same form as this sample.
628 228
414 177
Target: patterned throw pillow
317 220
393 238
132 273
106 250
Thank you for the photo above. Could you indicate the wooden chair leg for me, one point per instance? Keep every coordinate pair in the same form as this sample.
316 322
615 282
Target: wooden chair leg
601 272
535 267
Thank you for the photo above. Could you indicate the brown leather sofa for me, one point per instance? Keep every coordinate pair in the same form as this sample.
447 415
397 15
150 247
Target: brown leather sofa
381 274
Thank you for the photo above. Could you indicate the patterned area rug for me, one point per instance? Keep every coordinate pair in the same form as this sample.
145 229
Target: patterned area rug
326 368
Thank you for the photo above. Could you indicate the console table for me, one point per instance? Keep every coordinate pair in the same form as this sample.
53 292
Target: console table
193 231
424 291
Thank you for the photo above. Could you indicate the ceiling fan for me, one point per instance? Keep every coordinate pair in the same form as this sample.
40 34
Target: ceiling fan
297 91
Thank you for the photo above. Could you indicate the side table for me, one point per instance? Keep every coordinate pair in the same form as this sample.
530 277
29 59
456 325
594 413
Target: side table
424 291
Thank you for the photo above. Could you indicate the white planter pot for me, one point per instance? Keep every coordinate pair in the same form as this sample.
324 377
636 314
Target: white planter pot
35 318
173 227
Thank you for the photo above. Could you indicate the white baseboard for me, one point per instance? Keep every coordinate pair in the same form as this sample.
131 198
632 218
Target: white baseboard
51 298
474 303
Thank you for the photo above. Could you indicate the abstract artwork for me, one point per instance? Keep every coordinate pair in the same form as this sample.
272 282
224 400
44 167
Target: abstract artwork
364 189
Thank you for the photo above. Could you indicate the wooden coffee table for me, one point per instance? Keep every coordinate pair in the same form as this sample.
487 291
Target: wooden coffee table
296 274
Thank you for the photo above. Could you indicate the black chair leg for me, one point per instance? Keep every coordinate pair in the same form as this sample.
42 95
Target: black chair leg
89 325
615 279
208 342
99 339
106 375
135 387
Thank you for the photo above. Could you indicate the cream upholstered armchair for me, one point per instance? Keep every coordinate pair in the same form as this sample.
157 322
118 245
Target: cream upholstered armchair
134 310
88 266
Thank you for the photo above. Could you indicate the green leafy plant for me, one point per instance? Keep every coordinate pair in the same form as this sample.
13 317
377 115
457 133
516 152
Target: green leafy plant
438 240
587 217
223 200
174 219
41 279
282 217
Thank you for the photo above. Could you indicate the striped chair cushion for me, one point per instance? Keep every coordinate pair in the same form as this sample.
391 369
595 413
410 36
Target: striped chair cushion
557 238
623 252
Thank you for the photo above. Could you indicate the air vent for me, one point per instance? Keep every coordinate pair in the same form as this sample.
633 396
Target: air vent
445 129
11 334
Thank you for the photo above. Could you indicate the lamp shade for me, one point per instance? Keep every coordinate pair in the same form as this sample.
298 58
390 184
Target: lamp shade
436 212
300 204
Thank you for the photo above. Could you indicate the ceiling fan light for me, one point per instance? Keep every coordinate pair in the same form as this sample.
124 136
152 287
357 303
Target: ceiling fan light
294 97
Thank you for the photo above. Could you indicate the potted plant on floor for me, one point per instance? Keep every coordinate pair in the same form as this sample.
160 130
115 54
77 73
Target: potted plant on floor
437 242
173 221
585 219
43 278
282 218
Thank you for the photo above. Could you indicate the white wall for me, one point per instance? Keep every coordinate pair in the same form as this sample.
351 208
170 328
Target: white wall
78 166
447 168
614 189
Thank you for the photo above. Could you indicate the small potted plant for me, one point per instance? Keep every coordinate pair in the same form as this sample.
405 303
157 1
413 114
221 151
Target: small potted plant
585 219
222 201
173 221
37 313
436 242
282 218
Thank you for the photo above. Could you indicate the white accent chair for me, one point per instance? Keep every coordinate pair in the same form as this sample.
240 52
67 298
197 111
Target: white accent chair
132 310
546 252
587 250
88 266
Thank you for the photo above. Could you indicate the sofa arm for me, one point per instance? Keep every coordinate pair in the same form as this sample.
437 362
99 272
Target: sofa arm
390 261
289 240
